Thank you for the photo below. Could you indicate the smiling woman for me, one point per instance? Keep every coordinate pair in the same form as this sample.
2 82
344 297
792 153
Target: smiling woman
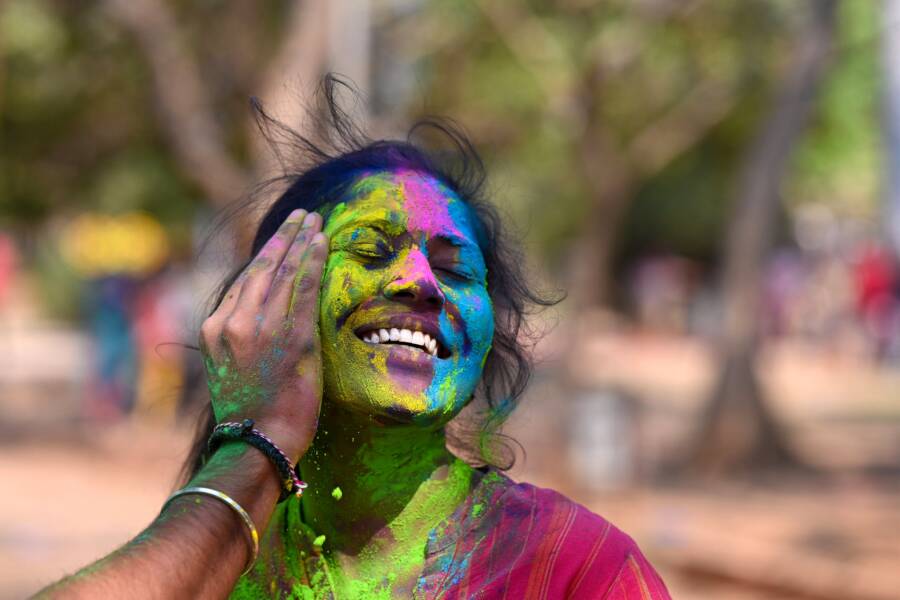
404 261
380 298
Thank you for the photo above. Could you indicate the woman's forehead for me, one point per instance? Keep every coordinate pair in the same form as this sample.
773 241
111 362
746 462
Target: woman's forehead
403 201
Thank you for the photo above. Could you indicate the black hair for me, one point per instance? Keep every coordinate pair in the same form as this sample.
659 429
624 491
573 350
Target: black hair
317 172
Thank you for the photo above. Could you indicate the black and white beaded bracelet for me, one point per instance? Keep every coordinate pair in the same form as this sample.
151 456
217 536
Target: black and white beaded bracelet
245 432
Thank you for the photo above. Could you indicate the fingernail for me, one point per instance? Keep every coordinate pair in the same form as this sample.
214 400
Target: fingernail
296 214
310 219
319 238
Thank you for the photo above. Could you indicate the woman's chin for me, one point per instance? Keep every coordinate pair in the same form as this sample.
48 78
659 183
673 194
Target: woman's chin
402 409
398 398
405 411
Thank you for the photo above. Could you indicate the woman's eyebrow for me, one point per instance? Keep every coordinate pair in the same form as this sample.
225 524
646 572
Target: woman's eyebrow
392 229
383 226
455 240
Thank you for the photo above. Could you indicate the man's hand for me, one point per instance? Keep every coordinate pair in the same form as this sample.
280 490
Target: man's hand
261 345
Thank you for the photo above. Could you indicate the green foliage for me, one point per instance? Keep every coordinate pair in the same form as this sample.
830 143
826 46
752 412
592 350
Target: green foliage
527 111
681 211
77 120
839 162
80 127
652 55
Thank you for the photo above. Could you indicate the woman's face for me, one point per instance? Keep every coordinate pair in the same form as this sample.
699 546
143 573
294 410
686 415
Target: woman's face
406 320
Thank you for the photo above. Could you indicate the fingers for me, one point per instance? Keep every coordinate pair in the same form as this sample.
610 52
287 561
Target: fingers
211 330
248 288
294 266
260 272
305 289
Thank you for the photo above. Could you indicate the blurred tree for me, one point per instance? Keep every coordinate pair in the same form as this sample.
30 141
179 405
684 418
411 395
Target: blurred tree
585 104
154 89
838 162
890 57
185 104
118 106
737 429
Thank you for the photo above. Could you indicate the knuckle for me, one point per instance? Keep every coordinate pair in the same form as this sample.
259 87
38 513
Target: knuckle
286 233
262 262
209 331
319 251
315 256
235 329
307 346
286 270
304 284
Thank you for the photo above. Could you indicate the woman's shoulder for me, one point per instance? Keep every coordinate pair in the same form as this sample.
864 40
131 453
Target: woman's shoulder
566 549
562 513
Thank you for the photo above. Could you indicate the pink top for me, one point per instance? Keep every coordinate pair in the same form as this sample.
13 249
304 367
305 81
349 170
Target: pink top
507 540
517 541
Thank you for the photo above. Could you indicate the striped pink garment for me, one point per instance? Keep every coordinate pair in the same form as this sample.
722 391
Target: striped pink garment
517 541
507 541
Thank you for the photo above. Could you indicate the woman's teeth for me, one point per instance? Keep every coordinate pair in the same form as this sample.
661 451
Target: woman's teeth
404 336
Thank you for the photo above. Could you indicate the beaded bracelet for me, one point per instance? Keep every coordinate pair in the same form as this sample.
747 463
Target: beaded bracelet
244 432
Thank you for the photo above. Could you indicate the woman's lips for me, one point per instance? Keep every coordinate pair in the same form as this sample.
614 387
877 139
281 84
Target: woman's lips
409 357
424 339
378 324
411 368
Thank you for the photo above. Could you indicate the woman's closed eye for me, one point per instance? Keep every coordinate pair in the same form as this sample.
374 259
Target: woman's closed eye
371 250
458 272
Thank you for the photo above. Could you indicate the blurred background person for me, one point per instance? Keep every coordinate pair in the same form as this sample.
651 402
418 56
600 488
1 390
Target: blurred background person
116 256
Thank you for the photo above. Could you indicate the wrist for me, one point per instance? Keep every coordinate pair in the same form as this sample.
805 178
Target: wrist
290 440
246 432
241 471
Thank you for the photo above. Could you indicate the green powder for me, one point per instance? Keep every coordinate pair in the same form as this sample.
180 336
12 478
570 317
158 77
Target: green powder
319 541
337 494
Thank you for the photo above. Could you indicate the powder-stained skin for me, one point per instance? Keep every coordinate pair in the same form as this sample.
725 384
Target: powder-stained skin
403 254
403 251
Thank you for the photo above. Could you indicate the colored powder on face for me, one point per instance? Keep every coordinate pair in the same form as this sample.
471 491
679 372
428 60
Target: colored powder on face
337 494
424 199
401 203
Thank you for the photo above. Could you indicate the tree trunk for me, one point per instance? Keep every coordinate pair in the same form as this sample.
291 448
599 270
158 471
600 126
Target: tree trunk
186 111
594 252
737 430
610 178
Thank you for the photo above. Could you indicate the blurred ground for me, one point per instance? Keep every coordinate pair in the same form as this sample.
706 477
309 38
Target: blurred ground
74 498
74 491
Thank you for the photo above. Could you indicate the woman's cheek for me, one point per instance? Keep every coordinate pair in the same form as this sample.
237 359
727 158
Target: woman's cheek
345 285
478 313
337 296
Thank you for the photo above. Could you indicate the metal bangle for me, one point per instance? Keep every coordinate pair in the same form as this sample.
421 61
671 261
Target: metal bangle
254 536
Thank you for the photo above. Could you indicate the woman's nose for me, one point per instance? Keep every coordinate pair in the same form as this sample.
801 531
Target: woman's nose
415 283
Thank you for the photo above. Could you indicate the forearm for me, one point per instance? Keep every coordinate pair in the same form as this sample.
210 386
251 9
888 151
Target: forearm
197 548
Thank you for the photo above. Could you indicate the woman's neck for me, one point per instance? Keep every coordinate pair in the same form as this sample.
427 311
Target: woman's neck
377 491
